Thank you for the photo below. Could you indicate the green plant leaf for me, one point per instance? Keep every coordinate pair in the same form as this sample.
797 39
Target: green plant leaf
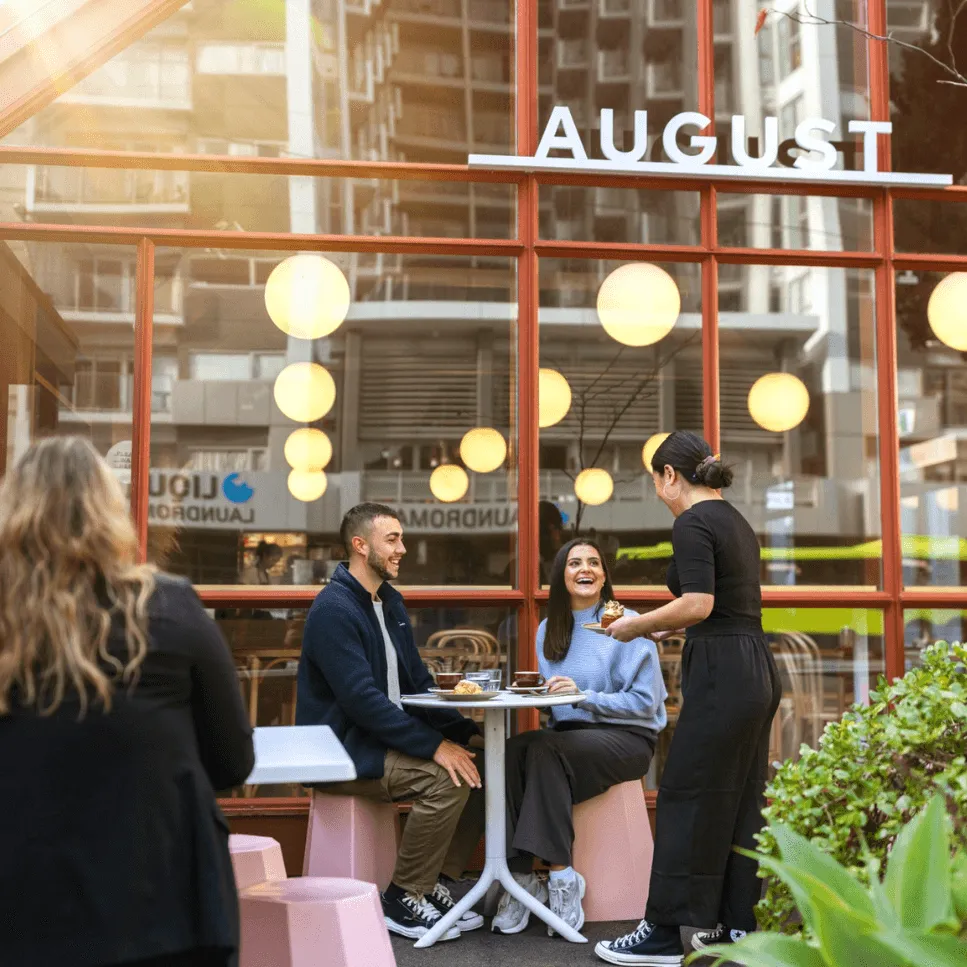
917 880
958 884
764 950
926 949
806 856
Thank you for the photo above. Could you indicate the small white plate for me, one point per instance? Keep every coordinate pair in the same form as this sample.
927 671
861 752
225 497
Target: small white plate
528 690
449 695
596 628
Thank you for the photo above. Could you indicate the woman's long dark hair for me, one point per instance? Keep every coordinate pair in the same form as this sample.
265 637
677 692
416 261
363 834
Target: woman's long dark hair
560 620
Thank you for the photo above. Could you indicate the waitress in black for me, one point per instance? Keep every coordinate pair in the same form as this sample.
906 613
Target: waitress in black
711 792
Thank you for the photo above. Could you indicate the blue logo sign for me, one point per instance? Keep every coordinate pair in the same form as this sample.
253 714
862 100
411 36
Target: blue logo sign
236 490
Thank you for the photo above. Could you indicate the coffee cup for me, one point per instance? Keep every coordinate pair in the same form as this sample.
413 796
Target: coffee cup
448 679
528 680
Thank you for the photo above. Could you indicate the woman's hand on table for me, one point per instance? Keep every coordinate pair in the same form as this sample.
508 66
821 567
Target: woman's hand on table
458 761
561 685
624 629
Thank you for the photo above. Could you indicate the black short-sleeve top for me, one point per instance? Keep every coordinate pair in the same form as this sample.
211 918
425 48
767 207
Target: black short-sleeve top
715 551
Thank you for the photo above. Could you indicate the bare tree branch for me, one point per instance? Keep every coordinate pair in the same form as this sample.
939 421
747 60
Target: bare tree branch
811 19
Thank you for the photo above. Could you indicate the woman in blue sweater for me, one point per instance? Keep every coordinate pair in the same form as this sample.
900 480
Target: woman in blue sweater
607 739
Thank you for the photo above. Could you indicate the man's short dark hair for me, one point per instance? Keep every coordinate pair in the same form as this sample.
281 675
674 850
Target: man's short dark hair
359 519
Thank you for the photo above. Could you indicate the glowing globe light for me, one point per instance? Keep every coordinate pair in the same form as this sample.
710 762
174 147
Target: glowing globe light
778 402
639 304
650 448
308 449
304 392
307 296
307 485
947 311
554 398
449 482
593 486
483 449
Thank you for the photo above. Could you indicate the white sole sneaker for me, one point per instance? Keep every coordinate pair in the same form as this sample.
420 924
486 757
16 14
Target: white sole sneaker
524 922
414 933
469 921
584 889
617 957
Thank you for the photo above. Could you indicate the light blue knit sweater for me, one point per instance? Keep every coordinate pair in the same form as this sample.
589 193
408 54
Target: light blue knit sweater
623 681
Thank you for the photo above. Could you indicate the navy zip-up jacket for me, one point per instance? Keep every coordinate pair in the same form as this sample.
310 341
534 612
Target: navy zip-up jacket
342 678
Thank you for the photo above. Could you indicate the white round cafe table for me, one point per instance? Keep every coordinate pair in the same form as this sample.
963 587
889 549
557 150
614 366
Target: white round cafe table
495 868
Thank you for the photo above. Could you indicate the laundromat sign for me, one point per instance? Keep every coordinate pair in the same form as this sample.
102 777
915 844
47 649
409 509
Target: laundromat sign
752 158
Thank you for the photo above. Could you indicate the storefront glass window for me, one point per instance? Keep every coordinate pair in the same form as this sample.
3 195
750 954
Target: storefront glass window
932 401
798 416
411 80
66 326
424 357
603 399
923 627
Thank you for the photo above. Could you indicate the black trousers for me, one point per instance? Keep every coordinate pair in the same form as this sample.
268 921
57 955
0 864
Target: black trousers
711 792
189 958
550 770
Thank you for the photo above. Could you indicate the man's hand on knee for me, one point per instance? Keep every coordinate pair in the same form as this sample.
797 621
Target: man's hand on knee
458 762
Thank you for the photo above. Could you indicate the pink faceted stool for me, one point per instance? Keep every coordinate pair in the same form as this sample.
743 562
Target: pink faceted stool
353 837
255 859
613 847
310 921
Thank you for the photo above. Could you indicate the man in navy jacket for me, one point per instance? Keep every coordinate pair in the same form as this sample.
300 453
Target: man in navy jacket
358 658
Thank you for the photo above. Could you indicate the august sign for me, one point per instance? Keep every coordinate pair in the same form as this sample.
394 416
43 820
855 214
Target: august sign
752 160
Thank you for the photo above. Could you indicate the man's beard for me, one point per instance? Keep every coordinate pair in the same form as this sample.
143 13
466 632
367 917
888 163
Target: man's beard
378 566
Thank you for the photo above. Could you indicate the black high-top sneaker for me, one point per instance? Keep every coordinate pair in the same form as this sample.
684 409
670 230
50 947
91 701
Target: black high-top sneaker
411 914
442 899
649 945
720 935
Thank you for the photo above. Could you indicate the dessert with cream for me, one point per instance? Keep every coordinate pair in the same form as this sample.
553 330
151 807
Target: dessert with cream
467 688
612 612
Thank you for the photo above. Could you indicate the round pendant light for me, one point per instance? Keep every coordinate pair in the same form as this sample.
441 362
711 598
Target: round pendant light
778 402
307 485
308 449
639 304
594 486
947 311
304 392
554 397
449 482
307 296
650 448
483 449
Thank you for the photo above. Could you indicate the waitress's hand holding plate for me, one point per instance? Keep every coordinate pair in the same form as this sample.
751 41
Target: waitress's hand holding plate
624 629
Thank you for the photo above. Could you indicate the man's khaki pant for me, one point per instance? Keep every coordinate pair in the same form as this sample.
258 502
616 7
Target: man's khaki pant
443 827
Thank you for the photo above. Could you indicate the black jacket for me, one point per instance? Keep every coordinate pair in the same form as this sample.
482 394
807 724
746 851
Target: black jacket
342 678
113 847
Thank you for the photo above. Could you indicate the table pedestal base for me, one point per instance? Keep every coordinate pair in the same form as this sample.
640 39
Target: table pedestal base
496 869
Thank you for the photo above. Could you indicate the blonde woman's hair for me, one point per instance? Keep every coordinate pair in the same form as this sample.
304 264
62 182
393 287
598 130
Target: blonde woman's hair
68 567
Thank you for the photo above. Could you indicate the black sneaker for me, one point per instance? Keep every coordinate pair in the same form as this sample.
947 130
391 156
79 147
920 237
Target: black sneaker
411 915
650 945
720 935
442 899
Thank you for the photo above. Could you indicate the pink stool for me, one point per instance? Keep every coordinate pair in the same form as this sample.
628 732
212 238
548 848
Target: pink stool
255 859
353 837
308 921
613 847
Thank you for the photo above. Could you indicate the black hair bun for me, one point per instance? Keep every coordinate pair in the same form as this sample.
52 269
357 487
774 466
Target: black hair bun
713 474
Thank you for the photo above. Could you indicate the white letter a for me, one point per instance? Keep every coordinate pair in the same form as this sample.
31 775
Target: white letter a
570 139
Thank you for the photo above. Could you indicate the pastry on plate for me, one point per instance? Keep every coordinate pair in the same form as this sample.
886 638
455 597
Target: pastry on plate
612 612
467 688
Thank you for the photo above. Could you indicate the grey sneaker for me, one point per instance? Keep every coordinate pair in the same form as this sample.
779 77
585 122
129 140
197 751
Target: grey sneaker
512 915
566 896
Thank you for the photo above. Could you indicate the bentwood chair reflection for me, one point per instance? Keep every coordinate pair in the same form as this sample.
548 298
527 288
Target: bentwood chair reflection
462 649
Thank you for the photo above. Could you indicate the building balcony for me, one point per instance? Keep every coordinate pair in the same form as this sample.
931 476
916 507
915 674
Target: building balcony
614 67
573 54
107 190
666 13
